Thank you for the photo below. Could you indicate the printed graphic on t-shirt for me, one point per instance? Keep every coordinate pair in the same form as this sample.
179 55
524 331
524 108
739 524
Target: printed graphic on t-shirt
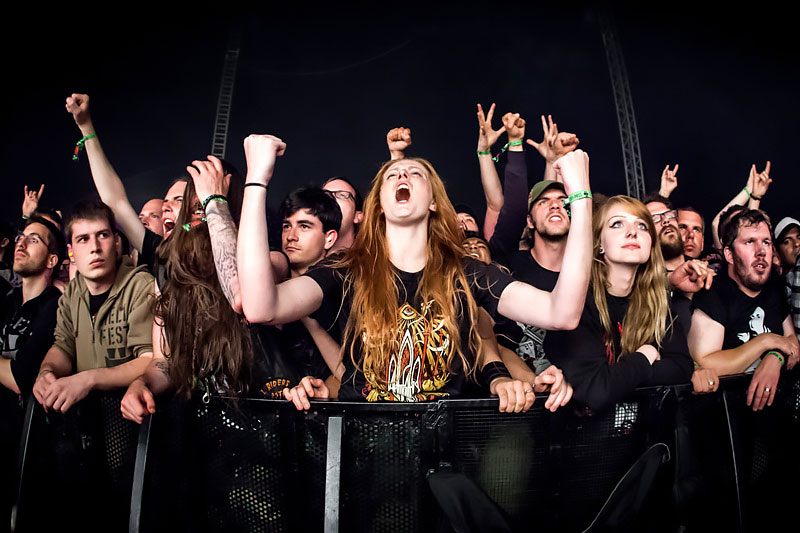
757 326
530 346
418 370
10 334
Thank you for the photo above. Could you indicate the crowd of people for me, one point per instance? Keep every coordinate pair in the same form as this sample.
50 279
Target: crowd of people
395 296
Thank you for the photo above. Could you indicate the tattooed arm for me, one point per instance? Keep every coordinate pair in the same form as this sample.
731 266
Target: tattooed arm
222 230
138 401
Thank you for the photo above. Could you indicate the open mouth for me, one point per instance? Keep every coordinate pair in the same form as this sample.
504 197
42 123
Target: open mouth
402 193
760 267
169 225
555 218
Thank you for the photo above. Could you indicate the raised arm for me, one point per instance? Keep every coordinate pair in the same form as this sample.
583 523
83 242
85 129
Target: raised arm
511 219
669 181
553 145
560 309
489 178
263 301
31 201
211 184
757 182
397 140
106 180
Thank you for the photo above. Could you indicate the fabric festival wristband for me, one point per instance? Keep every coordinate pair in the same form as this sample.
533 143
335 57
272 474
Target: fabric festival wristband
45 371
748 192
574 197
776 354
213 198
487 152
504 148
79 145
494 370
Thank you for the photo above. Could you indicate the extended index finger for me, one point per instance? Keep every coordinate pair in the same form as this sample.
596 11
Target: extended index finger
41 190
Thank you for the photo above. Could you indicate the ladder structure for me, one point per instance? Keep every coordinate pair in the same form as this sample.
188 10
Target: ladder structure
225 99
629 134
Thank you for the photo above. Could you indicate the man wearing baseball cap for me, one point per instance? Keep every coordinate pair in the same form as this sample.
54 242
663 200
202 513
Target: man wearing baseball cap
787 241
548 224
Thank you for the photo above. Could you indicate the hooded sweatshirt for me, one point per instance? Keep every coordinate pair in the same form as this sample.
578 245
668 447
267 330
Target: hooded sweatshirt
122 329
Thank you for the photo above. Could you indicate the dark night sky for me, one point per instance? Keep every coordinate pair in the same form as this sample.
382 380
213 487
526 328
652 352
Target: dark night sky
713 93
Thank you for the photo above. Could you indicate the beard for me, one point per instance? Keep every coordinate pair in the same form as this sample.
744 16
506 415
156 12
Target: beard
748 276
671 246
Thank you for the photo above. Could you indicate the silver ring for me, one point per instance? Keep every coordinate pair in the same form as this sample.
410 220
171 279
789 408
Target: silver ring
529 391
710 383
766 389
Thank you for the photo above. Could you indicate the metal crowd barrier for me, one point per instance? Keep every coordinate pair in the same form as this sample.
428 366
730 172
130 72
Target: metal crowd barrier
667 460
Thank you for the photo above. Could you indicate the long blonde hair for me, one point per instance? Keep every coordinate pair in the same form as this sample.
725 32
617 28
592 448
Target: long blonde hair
645 321
372 282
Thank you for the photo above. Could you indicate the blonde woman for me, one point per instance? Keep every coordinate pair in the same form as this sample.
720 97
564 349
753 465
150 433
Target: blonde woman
405 296
626 337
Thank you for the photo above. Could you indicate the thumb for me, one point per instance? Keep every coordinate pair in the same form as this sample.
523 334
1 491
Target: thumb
149 402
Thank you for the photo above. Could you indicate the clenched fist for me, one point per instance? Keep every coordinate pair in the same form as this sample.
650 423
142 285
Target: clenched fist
260 151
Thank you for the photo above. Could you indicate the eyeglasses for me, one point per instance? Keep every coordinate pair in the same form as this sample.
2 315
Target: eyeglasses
341 195
672 214
32 238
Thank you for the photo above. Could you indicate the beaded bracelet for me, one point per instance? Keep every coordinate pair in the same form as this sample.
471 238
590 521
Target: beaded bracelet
213 198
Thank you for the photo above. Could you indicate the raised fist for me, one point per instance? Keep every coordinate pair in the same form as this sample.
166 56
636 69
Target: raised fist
209 177
572 170
78 106
565 143
515 126
260 152
398 139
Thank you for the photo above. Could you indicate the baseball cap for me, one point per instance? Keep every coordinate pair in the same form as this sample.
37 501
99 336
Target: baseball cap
539 188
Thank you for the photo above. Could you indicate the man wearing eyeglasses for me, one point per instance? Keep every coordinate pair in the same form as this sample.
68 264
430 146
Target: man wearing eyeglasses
28 312
351 204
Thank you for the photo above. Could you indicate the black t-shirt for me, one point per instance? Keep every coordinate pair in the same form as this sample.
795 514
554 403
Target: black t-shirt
526 340
96 301
743 317
26 333
599 376
150 244
418 370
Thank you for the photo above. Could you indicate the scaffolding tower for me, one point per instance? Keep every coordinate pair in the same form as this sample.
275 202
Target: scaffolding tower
225 99
628 133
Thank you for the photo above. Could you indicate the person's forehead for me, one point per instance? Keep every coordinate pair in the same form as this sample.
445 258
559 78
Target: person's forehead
176 190
464 214
690 217
619 211
405 164
39 229
474 241
84 225
794 231
303 214
339 185
552 192
152 206
754 230
656 207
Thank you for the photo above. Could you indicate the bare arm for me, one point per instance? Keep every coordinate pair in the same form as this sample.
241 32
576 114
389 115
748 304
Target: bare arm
562 308
330 349
138 401
6 376
757 185
490 180
397 140
263 301
705 344
106 180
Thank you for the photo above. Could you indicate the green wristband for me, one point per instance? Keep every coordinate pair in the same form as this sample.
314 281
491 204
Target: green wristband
748 192
26 217
776 354
213 198
487 152
79 145
574 197
515 143
45 371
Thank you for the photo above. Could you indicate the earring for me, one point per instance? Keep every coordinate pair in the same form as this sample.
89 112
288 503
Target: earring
602 251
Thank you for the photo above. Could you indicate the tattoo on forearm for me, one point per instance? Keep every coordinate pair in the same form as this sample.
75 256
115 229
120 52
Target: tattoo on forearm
223 243
161 365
